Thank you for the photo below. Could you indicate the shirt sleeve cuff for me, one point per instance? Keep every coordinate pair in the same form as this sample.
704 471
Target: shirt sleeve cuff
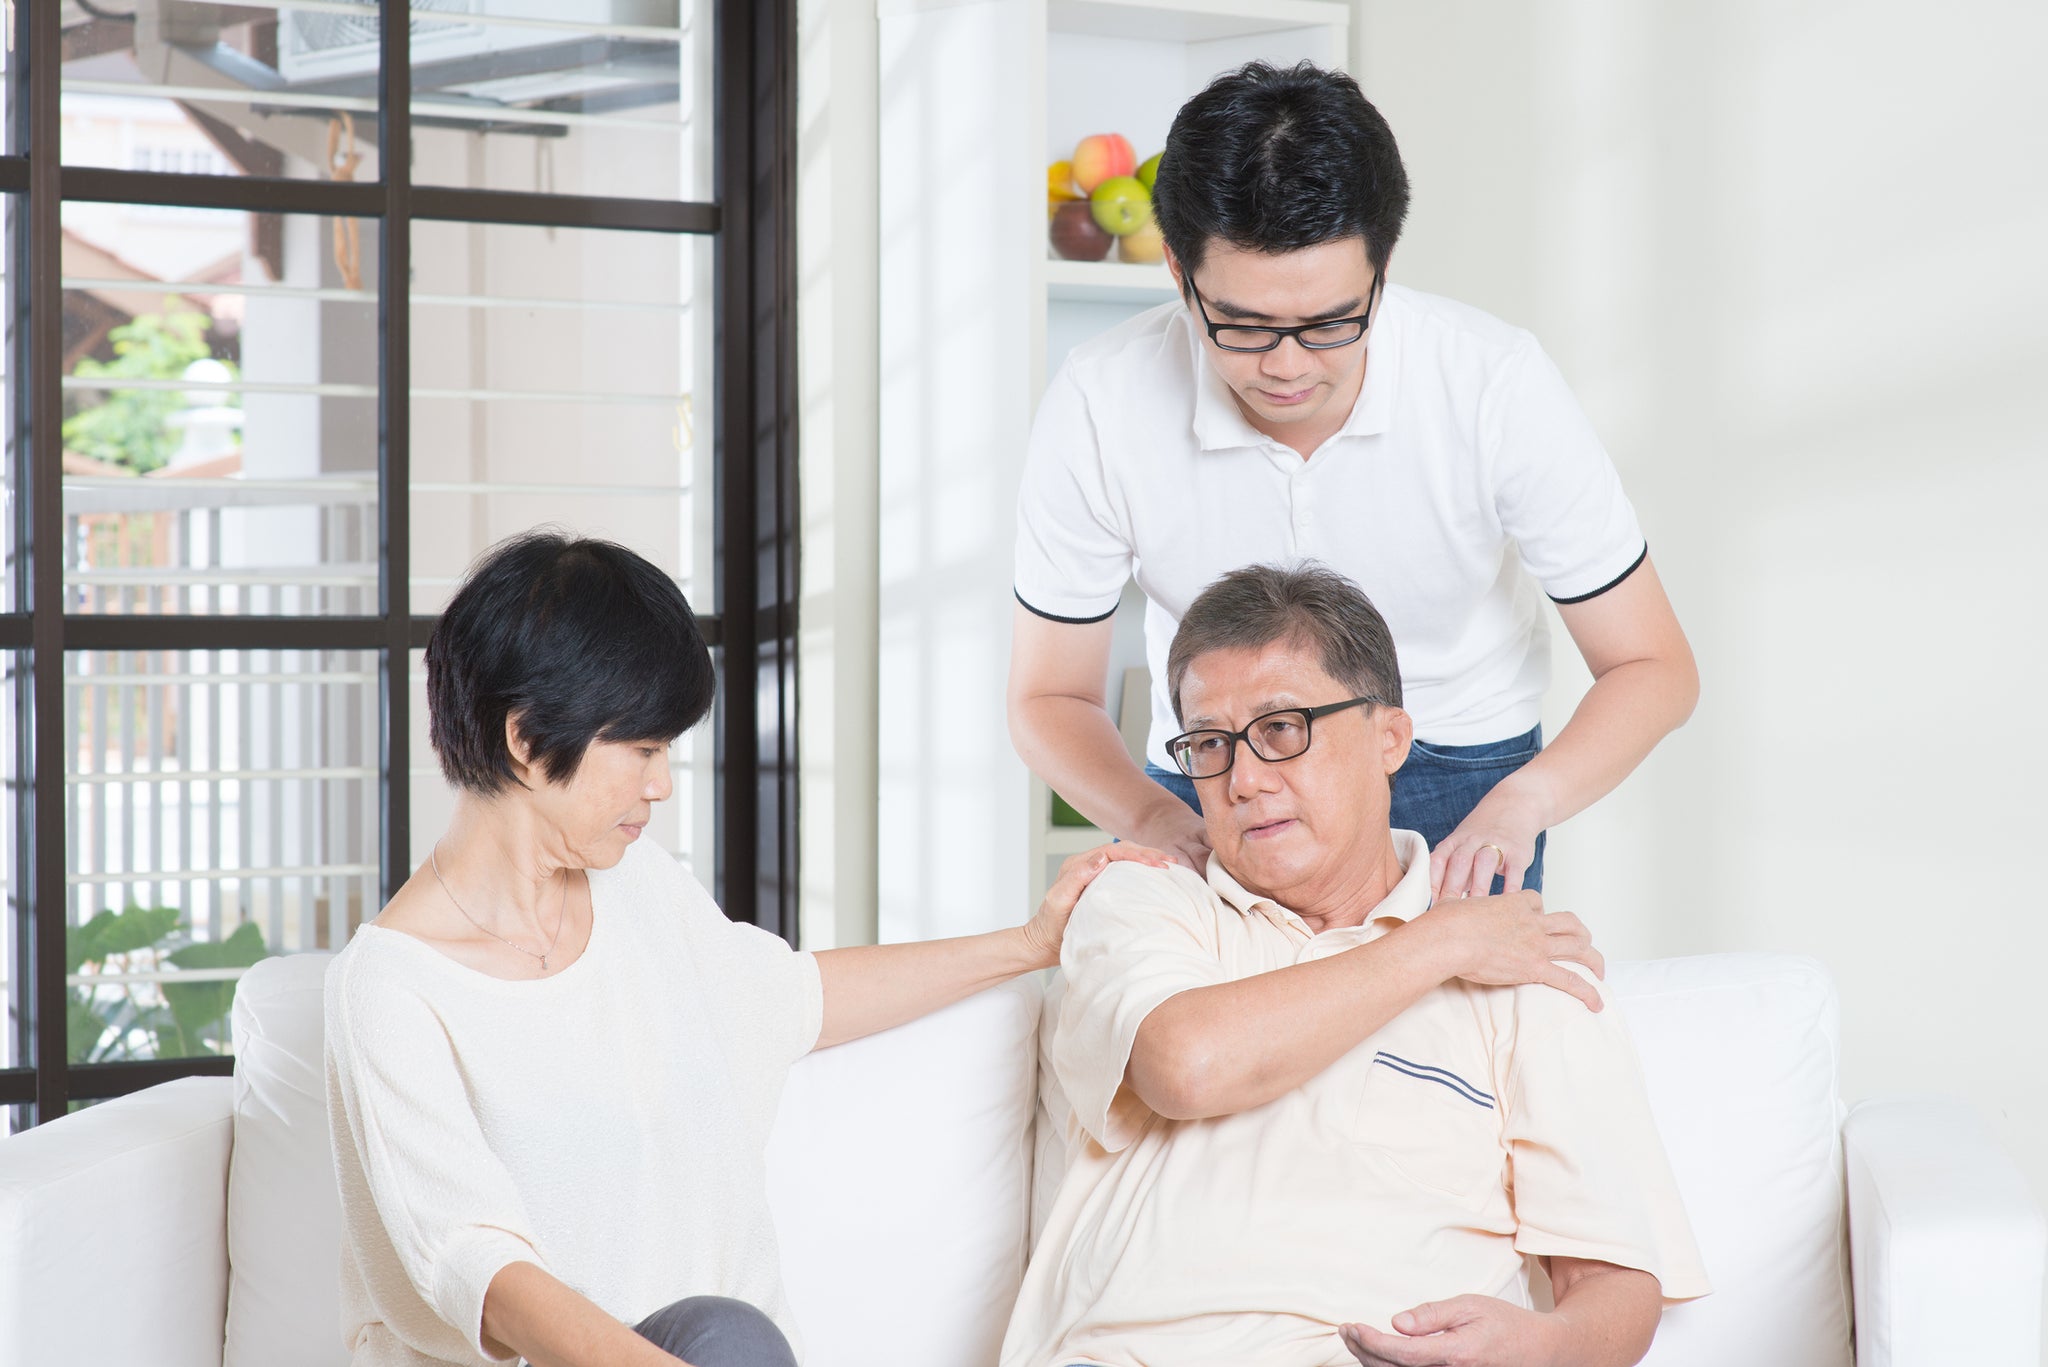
463 1273
1680 1278
1580 588
1079 612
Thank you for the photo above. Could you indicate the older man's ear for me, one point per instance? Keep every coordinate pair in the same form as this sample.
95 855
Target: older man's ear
1396 730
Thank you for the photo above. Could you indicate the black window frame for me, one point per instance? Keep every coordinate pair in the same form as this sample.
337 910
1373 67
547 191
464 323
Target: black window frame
752 626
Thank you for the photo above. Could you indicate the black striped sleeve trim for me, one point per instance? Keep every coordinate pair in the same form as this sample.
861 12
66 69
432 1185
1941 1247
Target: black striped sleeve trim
1069 621
1580 598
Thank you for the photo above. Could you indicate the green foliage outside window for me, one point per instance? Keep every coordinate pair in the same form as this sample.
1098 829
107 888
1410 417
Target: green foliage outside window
131 427
112 1023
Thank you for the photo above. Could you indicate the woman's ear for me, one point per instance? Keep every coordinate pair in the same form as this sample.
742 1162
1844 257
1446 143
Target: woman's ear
516 745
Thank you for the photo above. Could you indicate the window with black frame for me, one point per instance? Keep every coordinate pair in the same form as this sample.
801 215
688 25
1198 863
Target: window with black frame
308 307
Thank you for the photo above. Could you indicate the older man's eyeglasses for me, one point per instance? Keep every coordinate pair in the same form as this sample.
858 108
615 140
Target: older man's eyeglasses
1334 332
1272 737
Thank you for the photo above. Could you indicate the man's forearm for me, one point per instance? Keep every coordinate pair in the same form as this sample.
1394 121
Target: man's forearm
1606 1315
1616 725
1220 1050
1071 744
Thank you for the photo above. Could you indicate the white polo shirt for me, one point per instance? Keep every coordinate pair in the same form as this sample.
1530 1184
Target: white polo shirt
1465 477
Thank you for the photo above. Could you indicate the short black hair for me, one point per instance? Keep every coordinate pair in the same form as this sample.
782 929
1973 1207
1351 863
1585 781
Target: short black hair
579 640
1273 160
1253 607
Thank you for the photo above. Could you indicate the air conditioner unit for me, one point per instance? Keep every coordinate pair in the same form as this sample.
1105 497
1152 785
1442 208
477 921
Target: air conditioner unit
323 46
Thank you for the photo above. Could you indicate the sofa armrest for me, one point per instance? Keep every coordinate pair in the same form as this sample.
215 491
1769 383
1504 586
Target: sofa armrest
1947 1246
113 1231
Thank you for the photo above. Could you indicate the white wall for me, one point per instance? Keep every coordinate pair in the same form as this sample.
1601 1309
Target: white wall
1793 257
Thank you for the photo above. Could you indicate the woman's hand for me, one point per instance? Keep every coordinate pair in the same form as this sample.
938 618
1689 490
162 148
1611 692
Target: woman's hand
1509 940
1045 930
1498 837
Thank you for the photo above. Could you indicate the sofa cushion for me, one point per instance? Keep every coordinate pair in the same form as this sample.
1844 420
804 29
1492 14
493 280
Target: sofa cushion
1740 1057
899 1176
284 1288
117 1208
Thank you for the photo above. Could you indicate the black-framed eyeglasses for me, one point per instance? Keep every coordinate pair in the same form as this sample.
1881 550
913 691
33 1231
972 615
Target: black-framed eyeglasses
1322 336
1272 737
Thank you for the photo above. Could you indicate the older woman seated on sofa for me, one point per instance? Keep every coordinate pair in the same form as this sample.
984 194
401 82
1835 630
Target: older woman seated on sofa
552 1063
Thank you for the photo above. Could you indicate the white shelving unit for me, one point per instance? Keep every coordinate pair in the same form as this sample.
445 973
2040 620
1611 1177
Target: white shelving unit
976 100
1126 66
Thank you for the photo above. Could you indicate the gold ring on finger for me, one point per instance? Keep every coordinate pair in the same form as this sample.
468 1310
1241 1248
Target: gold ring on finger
1497 850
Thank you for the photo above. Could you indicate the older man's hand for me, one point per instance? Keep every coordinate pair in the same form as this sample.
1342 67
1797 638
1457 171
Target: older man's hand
1509 940
1464 1331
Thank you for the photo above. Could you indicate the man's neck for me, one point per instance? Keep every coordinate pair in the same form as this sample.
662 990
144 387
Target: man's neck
1350 895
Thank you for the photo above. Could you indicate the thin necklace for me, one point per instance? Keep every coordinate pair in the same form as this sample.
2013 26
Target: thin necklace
434 861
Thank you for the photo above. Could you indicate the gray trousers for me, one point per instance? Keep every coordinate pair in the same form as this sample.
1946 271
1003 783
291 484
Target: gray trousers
717 1331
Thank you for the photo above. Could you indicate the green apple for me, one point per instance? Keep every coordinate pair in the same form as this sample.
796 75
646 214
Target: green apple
1149 171
1122 205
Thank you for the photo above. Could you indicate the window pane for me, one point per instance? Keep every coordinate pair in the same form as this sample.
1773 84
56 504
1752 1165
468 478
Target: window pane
564 377
222 806
587 97
220 411
681 825
257 88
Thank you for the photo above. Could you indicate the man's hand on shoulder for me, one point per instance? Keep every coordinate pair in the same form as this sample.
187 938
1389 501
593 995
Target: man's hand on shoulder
1510 940
1464 1331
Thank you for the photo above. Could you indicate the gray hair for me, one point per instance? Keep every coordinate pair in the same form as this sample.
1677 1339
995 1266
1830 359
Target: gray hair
1253 607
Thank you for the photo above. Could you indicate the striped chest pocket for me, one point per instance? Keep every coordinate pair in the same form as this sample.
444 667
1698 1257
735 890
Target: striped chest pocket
1439 1127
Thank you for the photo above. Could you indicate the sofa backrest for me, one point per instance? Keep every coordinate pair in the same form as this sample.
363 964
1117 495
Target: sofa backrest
899 1166
898 1173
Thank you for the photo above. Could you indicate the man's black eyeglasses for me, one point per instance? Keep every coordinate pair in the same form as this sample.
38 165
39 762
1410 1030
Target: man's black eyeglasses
1315 336
1273 737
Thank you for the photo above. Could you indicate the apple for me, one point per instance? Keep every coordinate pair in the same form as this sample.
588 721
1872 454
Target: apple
1145 247
1148 172
1122 205
1101 156
1075 233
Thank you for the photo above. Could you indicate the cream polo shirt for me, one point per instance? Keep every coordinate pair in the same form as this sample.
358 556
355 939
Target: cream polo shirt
1465 468
1483 1126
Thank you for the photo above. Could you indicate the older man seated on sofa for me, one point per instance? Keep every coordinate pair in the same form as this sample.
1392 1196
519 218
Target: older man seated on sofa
1285 1151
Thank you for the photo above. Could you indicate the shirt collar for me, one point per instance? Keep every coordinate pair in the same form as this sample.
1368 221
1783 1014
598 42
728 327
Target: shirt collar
1408 899
1220 424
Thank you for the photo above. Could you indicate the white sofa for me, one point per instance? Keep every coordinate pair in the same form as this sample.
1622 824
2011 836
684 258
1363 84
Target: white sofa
196 1223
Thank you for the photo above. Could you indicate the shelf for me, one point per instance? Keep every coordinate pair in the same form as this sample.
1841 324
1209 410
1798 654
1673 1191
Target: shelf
1061 841
1191 21
1107 282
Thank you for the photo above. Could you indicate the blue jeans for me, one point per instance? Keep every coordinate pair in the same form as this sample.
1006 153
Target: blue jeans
1435 790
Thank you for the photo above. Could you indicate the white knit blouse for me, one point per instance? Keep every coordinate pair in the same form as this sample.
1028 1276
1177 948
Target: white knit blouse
607 1123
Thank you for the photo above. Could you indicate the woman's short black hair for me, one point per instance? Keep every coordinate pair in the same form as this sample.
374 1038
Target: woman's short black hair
579 640
1273 160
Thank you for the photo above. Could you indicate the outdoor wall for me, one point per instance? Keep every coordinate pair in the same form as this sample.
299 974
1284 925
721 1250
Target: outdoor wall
1790 257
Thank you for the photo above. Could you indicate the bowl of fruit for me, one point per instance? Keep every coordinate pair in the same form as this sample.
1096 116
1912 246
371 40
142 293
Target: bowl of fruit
1101 199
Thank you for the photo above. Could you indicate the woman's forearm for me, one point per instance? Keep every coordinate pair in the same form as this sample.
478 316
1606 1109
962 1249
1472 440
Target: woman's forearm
532 1313
874 987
